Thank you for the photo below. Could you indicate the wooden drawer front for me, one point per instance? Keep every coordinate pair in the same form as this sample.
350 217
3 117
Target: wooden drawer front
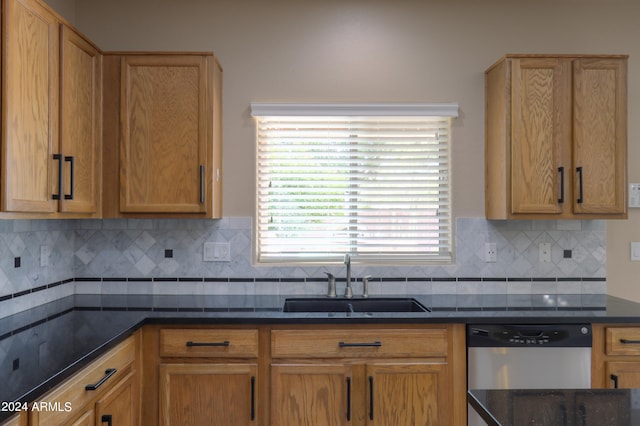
231 343
73 390
623 341
358 343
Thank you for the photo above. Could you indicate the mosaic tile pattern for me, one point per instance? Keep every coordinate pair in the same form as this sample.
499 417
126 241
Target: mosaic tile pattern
144 256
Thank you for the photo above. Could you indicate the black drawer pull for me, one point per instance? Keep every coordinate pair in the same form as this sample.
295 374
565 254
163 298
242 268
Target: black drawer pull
191 344
58 195
201 184
108 419
253 398
370 397
580 199
360 345
69 159
561 171
348 399
108 373
630 342
615 381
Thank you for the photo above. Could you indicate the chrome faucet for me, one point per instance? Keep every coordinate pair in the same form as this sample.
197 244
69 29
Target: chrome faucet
348 292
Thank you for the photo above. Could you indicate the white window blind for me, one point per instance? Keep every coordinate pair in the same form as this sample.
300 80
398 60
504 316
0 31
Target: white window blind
357 179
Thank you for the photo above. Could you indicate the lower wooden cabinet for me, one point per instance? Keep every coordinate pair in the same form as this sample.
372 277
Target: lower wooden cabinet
208 394
615 356
311 394
106 392
368 376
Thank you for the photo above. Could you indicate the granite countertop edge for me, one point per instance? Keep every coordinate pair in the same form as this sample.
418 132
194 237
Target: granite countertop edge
612 310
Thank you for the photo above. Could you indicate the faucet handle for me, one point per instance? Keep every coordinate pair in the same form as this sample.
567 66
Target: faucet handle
365 285
331 285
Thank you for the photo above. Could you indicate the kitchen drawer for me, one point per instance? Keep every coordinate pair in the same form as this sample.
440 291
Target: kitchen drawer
623 341
313 343
72 396
216 343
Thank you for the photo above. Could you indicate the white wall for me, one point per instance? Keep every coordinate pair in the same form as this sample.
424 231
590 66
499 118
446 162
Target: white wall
378 50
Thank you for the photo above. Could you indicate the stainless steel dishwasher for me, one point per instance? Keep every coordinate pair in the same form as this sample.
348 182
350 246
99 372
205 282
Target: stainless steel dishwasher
527 356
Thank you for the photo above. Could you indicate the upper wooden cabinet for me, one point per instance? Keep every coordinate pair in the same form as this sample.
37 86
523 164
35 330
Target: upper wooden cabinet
51 112
556 137
163 149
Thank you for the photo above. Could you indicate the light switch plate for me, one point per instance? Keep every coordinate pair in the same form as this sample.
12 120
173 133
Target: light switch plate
635 251
217 252
634 195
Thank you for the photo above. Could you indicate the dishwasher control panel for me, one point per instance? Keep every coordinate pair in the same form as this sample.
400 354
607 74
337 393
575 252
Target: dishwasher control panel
509 335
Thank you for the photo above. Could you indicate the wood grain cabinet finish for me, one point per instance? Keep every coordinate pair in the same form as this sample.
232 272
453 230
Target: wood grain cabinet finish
615 356
202 375
214 394
367 377
116 395
556 137
51 115
166 139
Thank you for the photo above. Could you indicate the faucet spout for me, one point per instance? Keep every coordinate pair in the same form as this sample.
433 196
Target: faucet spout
348 292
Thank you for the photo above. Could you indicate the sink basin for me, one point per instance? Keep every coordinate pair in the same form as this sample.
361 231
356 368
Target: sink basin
376 304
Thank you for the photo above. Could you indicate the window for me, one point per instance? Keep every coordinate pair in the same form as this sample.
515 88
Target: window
368 180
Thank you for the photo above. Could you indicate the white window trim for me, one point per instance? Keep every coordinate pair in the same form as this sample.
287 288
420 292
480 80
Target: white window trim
359 109
363 110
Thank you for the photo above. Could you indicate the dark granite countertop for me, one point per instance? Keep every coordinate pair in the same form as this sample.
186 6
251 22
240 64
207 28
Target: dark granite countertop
41 347
567 407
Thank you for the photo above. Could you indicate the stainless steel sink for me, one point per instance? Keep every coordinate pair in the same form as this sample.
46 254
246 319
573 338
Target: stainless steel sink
375 304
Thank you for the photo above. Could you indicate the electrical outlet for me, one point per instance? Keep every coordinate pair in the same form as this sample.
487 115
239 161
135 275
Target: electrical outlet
490 252
544 253
217 252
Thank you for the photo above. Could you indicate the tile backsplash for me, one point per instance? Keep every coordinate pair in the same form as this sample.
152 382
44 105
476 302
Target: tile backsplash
165 256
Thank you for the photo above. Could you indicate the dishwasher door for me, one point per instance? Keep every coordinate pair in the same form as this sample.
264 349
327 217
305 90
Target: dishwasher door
527 357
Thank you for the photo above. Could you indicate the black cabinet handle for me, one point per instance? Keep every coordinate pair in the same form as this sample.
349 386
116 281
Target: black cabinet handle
348 399
370 397
253 398
580 196
107 374
561 171
108 419
615 381
360 345
69 159
201 184
59 158
191 344
629 342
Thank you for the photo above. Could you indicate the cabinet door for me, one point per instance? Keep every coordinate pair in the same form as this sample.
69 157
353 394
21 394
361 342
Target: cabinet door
622 374
540 134
119 405
208 394
600 135
81 111
164 114
408 394
30 107
310 394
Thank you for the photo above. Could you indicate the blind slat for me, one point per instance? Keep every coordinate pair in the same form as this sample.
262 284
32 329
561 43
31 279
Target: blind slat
369 186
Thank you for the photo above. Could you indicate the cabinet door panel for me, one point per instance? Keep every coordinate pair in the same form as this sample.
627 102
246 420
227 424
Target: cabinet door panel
208 394
119 405
407 393
81 85
310 394
539 134
163 162
30 81
600 138
627 374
